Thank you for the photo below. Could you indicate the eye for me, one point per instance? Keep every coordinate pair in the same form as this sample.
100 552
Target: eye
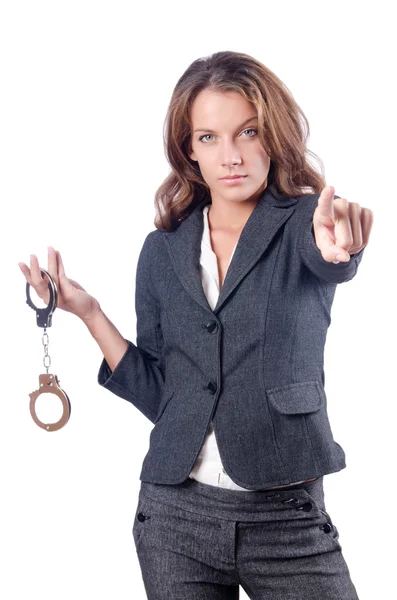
209 134
203 136
256 131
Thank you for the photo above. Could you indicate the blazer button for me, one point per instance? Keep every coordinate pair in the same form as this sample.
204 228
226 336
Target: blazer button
212 327
290 500
211 387
306 507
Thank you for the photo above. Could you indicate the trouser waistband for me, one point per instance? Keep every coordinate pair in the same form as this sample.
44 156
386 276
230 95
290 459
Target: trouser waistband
233 504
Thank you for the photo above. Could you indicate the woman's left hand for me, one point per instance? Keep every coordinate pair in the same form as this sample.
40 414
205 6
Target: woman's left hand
340 227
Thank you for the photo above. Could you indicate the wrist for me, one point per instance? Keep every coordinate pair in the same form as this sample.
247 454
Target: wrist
93 317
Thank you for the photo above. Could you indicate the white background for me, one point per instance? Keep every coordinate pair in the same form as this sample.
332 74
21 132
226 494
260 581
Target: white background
84 91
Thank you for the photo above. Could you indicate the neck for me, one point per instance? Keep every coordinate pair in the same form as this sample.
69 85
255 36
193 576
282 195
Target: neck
232 215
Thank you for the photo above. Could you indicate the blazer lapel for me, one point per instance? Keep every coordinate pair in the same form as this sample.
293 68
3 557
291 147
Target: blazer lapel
184 245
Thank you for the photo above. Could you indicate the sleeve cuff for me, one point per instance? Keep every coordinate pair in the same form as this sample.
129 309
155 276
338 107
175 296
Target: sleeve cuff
327 271
121 381
105 375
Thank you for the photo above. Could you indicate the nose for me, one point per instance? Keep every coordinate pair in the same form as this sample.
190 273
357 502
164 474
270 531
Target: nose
231 163
230 155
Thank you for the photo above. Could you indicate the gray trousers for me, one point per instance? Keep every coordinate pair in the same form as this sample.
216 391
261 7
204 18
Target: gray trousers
201 542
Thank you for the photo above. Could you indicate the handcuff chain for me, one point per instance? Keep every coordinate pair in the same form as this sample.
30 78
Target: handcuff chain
45 344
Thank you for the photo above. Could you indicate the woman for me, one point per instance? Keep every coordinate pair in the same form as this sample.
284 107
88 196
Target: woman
233 296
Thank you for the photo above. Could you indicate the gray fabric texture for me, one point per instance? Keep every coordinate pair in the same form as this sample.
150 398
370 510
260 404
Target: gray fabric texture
199 542
253 365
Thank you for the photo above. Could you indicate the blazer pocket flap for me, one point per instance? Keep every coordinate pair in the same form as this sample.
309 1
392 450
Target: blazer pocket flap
296 398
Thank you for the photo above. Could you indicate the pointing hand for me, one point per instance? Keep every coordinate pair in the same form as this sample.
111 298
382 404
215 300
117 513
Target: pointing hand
340 227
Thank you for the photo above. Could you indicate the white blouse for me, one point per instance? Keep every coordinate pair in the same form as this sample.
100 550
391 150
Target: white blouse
208 467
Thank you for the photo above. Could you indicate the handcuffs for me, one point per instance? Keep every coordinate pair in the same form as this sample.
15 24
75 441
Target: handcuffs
48 383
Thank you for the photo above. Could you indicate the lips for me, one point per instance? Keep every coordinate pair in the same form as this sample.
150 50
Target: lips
234 177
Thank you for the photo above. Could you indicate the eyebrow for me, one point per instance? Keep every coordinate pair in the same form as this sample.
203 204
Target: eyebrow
242 124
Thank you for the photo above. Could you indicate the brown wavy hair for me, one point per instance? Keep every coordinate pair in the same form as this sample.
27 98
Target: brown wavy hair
283 130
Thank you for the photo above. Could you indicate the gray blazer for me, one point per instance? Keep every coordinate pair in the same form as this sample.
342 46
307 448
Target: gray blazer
253 365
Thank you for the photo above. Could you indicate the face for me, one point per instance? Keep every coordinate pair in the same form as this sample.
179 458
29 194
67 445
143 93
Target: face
224 141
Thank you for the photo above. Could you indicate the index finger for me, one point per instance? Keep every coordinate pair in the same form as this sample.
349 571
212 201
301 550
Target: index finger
325 206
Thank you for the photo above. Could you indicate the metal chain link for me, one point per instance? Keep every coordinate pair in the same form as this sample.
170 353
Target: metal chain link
45 344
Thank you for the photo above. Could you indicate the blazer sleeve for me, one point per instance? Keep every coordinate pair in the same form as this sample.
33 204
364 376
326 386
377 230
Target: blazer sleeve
311 254
139 375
